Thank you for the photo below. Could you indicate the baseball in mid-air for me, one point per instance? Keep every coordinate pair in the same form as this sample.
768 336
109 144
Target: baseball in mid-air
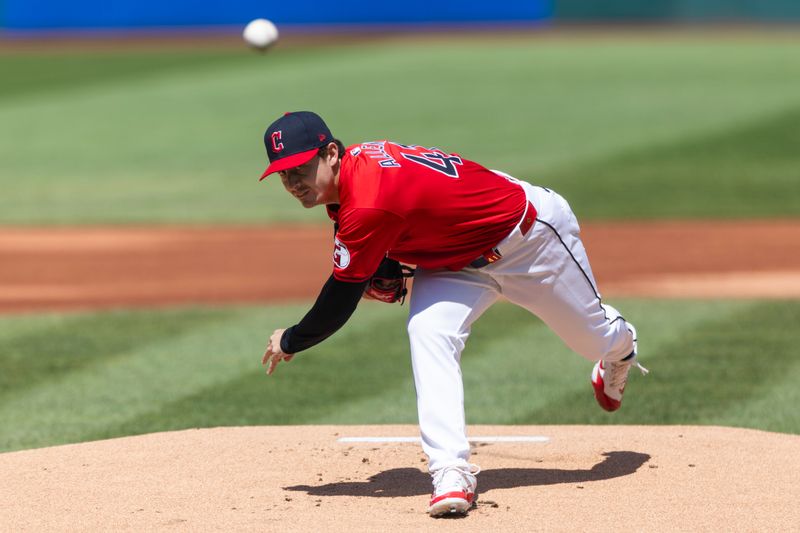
260 34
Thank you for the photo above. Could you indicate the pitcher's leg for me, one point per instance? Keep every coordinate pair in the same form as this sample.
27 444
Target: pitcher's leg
576 313
443 307
559 286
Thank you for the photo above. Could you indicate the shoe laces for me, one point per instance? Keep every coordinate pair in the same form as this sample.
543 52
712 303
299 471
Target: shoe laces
616 374
458 477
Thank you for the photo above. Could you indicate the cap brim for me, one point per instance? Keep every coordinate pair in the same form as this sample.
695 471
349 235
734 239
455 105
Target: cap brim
291 161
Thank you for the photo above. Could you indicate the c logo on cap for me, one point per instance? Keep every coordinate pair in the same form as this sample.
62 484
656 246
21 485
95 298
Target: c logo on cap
341 255
277 145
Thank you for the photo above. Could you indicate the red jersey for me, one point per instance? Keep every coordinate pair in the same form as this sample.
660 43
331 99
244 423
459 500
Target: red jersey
421 206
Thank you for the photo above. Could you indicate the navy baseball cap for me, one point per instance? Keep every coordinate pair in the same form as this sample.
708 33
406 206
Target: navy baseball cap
294 139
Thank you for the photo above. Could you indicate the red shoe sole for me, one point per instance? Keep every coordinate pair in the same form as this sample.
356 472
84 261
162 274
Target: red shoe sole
609 404
452 503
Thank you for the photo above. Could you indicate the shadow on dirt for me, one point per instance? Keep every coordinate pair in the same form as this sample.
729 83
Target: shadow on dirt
413 482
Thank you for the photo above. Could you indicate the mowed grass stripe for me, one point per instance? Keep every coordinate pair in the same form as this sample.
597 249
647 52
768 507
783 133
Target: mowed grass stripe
360 362
52 347
775 406
181 146
706 176
738 373
184 145
718 364
708 360
119 386
34 75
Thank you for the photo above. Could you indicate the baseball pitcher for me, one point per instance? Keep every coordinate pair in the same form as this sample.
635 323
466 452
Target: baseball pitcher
473 234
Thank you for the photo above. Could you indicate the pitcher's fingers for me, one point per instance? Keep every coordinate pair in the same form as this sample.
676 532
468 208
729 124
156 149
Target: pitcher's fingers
272 364
266 356
288 357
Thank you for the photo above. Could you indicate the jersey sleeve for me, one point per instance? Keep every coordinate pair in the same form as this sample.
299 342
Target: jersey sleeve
362 241
334 305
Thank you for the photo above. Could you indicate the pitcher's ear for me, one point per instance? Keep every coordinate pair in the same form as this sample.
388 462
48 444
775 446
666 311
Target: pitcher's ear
333 151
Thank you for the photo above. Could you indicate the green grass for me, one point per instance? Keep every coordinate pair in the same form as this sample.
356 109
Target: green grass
71 378
39 75
624 128
752 170
628 127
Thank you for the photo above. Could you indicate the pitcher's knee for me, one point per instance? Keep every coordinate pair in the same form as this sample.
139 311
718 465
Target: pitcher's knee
614 344
591 349
428 331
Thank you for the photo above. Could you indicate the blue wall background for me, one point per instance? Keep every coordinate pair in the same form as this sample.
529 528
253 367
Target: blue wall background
84 14
100 14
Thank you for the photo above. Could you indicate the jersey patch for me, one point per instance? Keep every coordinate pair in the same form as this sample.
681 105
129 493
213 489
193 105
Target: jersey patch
341 255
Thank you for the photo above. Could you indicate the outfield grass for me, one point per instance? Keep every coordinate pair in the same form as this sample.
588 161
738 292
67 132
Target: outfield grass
681 127
89 376
624 128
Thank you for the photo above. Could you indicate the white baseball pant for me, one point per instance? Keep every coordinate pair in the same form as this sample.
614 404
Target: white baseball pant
546 272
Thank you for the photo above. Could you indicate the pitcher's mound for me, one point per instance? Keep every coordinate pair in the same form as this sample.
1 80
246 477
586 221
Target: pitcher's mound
303 478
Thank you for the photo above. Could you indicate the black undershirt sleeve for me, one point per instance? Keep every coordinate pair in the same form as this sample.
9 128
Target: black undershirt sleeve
334 306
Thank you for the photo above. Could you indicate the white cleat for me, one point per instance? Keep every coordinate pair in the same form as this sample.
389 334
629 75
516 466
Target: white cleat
453 490
609 378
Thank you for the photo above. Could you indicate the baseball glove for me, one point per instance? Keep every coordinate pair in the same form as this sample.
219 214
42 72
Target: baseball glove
388 283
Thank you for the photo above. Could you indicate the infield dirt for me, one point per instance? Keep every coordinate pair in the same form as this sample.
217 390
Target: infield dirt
102 267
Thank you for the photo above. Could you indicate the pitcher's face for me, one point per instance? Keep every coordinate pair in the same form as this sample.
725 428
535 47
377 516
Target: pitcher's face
314 183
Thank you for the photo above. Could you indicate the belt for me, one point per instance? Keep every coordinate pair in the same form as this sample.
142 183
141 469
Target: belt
493 255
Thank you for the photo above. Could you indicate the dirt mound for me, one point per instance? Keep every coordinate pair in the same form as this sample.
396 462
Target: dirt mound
302 478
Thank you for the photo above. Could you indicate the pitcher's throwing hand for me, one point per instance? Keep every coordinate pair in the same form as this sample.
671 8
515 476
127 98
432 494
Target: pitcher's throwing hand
274 354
